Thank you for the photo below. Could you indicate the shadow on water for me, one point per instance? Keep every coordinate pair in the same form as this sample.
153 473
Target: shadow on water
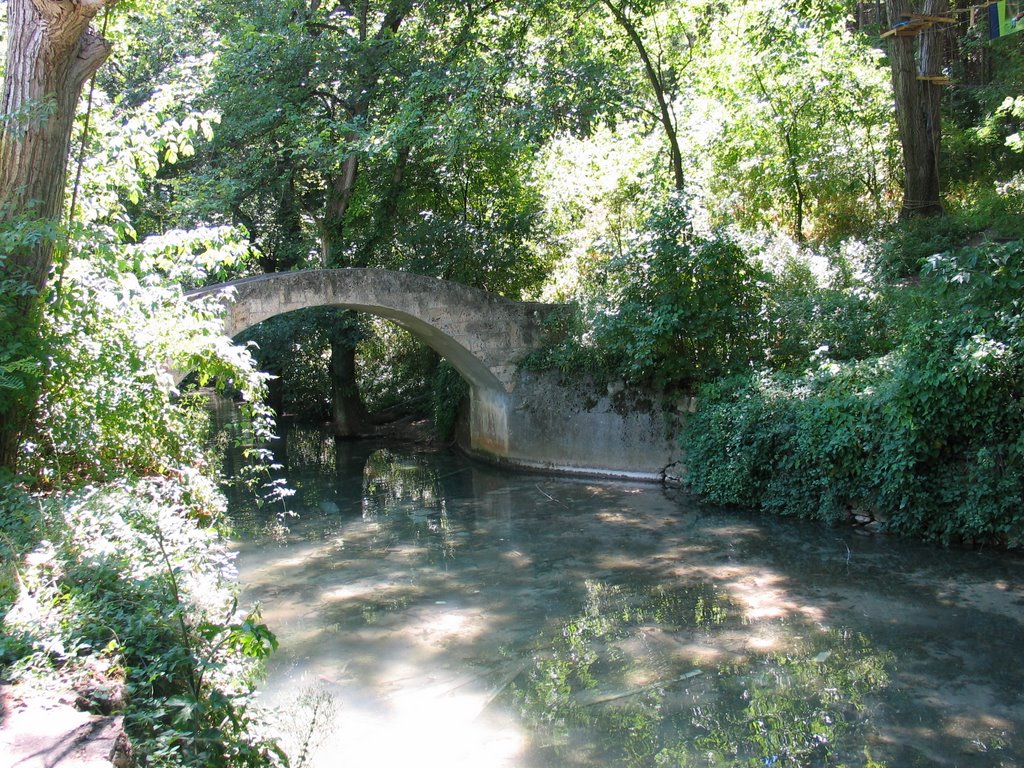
454 614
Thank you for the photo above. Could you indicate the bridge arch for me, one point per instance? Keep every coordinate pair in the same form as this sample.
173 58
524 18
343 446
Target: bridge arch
522 418
481 334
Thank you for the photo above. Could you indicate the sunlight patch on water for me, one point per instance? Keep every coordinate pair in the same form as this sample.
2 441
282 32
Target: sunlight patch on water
356 591
407 719
424 732
765 595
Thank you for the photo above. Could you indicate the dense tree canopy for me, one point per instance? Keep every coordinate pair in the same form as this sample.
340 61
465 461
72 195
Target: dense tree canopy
726 195
665 166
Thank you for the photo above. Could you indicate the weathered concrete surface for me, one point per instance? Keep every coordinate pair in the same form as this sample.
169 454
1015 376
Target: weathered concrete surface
37 731
550 424
519 418
483 335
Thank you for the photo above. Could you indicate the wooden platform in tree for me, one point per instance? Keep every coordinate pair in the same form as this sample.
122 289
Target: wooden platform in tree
915 23
936 79
928 18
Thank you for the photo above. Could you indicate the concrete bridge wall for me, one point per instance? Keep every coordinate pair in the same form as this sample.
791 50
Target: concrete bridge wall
549 424
516 418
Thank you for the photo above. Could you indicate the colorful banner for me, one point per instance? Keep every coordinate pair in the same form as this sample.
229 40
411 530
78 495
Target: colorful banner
1005 17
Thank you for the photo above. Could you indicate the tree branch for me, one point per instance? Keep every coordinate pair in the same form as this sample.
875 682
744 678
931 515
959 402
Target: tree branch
93 52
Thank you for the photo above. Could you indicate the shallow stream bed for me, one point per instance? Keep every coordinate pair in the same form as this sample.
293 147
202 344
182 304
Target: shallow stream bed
437 612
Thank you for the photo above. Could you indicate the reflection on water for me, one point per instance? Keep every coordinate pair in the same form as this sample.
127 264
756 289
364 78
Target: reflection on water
432 611
608 690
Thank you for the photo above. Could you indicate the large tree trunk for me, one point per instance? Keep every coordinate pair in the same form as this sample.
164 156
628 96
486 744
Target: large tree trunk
342 185
51 53
348 414
918 108
339 195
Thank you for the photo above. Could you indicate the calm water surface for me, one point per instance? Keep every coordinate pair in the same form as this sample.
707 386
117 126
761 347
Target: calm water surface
437 612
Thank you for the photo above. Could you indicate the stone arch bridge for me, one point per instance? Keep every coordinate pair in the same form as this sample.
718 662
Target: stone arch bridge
514 416
482 334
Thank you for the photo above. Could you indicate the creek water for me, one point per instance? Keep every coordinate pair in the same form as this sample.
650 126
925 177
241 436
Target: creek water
433 611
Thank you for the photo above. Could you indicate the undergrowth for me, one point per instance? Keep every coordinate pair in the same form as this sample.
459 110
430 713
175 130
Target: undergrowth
130 600
927 437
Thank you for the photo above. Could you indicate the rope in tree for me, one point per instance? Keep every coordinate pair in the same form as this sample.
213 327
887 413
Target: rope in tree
85 131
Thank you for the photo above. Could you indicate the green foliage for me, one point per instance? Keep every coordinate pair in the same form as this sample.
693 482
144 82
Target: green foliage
794 122
131 148
20 350
796 710
681 309
926 437
395 370
126 583
134 589
907 245
1013 107
575 352
195 257
689 309
595 195
390 127
22 525
802 707
296 348
108 405
823 302
448 393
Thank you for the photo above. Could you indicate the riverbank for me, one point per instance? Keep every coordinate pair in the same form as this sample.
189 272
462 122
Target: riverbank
44 729
129 607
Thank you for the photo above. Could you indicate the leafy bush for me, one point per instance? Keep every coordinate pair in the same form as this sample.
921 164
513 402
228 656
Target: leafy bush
681 310
929 437
21 528
448 392
688 309
21 354
821 302
108 406
575 351
909 244
395 368
135 589
126 583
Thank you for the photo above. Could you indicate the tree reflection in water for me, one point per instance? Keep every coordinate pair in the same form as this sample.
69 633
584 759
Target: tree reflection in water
809 706
518 620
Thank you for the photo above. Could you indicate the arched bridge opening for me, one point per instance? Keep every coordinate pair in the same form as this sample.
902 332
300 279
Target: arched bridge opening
484 336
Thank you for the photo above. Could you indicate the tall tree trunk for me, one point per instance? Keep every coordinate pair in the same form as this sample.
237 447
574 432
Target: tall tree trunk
342 186
918 108
348 414
339 195
51 53
387 209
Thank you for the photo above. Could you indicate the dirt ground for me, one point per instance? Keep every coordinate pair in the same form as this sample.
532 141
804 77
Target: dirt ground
44 730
